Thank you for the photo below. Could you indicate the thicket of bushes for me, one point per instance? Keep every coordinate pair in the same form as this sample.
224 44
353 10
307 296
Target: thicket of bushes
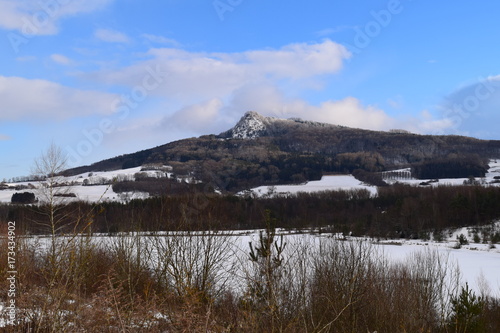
157 186
202 283
23 198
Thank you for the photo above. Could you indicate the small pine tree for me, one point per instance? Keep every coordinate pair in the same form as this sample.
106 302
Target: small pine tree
495 239
477 239
467 310
438 235
267 257
462 240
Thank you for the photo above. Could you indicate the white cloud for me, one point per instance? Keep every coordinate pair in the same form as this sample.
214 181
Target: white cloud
350 112
269 100
347 112
299 60
4 137
111 36
217 88
200 76
198 118
61 59
428 124
42 17
48 100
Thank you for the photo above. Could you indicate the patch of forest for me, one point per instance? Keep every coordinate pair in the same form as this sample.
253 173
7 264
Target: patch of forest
398 211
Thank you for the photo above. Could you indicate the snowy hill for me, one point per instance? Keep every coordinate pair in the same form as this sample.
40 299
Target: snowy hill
253 125
93 186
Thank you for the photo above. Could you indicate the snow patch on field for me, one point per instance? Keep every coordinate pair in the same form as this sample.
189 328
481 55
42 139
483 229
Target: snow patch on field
487 180
94 191
327 183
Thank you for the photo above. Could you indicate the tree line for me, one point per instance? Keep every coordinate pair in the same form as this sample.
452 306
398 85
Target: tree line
397 211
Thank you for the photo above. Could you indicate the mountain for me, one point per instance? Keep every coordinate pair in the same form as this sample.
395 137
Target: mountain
261 150
253 125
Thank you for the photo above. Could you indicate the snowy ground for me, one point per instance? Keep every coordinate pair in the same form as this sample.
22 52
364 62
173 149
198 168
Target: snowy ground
92 193
338 182
479 263
348 182
487 180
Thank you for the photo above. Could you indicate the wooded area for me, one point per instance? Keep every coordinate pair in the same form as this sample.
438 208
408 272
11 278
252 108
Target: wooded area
398 211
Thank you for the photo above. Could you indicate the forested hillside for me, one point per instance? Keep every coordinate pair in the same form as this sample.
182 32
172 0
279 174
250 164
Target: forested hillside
265 151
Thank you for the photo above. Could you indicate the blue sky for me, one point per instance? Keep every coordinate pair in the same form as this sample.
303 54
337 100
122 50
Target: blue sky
102 78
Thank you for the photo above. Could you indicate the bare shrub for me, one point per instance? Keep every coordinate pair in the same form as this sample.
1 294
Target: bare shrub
188 263
193 270
343 273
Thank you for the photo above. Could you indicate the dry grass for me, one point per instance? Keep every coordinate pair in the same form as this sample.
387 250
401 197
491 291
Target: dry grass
336 286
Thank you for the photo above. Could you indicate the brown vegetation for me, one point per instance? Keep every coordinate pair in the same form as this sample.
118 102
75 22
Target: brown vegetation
185 282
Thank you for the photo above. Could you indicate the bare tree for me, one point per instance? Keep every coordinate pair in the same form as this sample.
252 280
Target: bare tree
66 255
48 167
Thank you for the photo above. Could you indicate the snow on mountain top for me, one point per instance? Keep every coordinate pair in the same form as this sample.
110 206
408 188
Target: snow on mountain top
253 125
250 126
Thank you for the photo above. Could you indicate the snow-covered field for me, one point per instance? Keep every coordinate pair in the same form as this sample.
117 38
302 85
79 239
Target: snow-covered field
348 182
479 263
327 183
93 192
493 171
